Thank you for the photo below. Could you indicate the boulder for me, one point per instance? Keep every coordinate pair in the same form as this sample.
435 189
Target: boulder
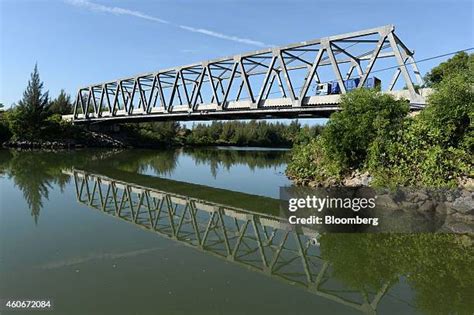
464 203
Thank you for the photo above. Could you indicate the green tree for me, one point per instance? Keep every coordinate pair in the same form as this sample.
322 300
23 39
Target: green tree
5 133
27 119
251 133
450 110
228 131
461 62
62 104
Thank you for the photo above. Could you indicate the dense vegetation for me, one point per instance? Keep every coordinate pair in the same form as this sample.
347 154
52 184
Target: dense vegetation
373 133
235 133
251 133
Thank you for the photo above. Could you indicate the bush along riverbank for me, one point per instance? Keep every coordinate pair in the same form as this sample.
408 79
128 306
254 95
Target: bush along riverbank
373 141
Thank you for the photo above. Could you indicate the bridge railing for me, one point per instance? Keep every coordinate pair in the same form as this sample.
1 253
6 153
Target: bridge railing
280 77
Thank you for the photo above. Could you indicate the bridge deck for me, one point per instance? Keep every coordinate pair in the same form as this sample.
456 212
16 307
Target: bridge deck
314 107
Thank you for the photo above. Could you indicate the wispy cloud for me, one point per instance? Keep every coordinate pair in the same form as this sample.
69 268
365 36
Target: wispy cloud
189 51
222 36
122 11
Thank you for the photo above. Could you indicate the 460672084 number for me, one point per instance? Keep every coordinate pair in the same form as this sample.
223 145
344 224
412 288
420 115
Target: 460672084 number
33 304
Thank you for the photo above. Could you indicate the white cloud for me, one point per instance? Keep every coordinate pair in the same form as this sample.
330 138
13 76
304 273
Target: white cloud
121 11
222 36
189 51
114 10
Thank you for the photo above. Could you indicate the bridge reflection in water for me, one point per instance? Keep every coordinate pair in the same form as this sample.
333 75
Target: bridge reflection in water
258 241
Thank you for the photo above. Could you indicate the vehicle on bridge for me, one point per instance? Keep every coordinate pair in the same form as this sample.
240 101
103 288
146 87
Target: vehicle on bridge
351 84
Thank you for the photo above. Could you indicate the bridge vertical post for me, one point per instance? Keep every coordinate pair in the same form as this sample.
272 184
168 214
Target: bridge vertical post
229 84
409 55
213 86
76 103
245 80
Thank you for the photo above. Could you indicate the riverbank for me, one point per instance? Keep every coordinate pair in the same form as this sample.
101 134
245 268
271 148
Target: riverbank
363 179
88 139
163 135
99 140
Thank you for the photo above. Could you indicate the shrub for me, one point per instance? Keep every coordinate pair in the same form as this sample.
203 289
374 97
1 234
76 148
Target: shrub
153 133
364 114
450 111
311 161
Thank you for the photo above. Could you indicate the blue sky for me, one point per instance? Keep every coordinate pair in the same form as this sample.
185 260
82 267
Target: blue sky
79 42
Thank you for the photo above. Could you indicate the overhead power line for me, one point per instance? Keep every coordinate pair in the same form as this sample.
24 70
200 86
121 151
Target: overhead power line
425 59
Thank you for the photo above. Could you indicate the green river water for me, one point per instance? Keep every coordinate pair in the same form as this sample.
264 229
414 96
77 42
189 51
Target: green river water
198 231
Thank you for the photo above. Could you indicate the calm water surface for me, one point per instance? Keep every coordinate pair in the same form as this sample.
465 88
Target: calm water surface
197 231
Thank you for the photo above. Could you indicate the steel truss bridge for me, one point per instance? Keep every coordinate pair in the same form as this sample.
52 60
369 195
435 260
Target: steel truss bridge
260 242
272 83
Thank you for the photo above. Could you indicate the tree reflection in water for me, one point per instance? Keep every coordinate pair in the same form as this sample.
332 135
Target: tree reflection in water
34 173
164 162
437 267
227 158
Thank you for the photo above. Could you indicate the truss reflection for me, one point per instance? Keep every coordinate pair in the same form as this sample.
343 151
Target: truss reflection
260 242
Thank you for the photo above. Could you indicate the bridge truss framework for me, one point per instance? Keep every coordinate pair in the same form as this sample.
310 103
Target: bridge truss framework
270 83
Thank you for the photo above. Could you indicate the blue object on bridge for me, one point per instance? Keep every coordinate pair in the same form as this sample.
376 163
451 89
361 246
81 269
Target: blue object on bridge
372 83
351 84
